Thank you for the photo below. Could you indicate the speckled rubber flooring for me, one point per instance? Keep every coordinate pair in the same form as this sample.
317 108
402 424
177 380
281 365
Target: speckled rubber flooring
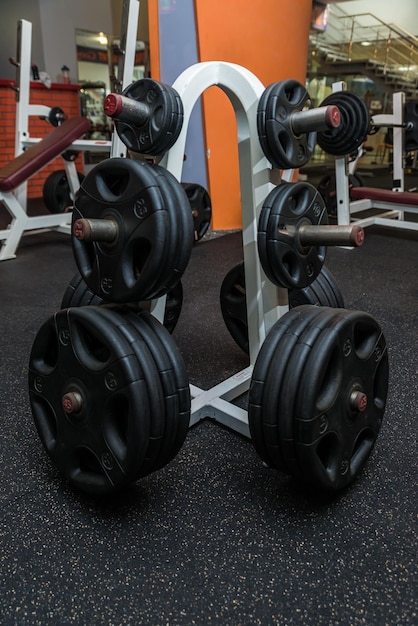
214 537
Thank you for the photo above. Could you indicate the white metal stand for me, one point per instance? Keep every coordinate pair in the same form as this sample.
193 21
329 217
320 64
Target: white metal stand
266 303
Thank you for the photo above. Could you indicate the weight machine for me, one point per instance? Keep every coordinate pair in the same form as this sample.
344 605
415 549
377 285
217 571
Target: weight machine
15 198
384 207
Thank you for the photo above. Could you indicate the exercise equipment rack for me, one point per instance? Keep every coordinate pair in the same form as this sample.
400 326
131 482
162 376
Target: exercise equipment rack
266 303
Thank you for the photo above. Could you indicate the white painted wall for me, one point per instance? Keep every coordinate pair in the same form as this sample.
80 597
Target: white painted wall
404 13
59 20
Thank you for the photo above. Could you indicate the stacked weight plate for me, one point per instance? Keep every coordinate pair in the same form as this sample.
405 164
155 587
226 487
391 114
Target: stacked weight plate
109 395
318 394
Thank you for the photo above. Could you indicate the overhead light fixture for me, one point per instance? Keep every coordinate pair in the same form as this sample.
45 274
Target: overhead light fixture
102 39
366 43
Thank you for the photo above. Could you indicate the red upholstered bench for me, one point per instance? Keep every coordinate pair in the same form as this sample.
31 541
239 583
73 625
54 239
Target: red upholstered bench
384 195
40 154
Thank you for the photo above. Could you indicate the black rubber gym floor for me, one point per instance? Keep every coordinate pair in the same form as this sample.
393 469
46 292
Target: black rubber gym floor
214 537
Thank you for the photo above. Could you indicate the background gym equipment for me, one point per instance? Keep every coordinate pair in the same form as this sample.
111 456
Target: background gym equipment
327 187
367 206
78 294
14 174
132 230
56 191
132 239
287 126
148 116
323 291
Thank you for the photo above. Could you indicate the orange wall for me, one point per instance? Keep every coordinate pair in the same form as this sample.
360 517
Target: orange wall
268 37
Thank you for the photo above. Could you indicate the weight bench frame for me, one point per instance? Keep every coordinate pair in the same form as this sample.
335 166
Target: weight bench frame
388 207
17 172
266 303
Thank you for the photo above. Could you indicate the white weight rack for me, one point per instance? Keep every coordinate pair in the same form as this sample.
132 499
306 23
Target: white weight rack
266 303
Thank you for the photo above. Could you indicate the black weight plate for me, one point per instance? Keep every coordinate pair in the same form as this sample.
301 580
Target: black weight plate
173 305
333 438
353 128
282 146
278 373
182 216
261 123
411 126
233 303
295 368
201 206
323 291
286 262
78 294
333 296
160 130
270 453
56 191
100 448
159 337
175 241
161 386
130 268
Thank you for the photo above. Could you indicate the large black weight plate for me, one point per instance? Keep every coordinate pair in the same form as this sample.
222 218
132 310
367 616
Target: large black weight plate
354 125
334 433
160 342
161 128
78 294
303 412
276 388
201 206
101 446
324 291
56 191
286 262
257 387
142 262
162 385
284 402
233 303
281 145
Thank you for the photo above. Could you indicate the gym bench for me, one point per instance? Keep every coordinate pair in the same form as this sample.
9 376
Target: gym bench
19 170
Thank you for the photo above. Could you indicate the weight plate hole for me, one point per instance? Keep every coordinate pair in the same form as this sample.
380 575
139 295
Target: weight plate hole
290 265
330 384
46 361
140 252
157 119
364 339
361 450
283 140
112 184
91 351
327 451
46 422
380 383
117 426
86 467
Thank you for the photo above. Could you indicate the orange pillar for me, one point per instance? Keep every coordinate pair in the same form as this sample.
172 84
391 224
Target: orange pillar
270 38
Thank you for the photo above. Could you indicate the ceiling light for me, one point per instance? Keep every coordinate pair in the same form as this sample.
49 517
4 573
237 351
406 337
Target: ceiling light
366 43
102 39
